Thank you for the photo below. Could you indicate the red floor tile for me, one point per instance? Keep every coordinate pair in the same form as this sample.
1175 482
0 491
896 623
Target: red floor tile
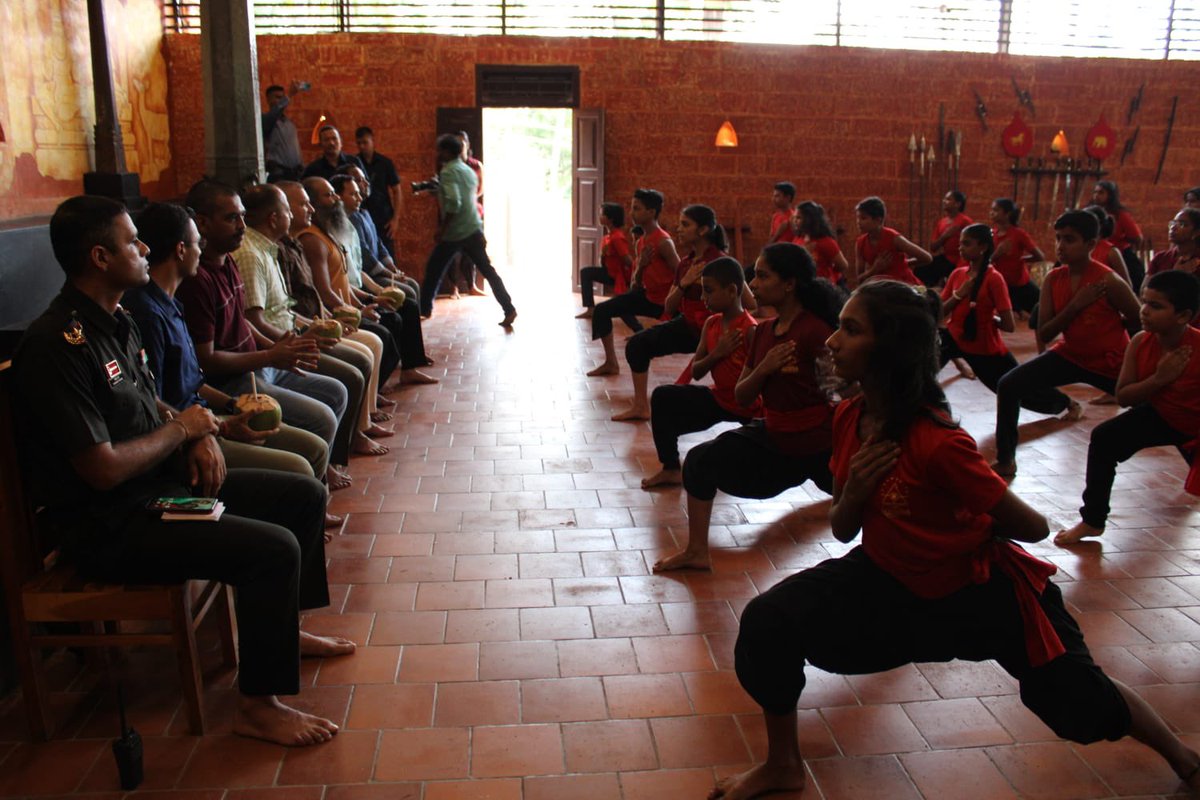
431 754
1048 771
621 745
517 750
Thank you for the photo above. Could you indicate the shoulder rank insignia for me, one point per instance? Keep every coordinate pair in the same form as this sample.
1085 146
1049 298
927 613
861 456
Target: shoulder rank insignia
74 332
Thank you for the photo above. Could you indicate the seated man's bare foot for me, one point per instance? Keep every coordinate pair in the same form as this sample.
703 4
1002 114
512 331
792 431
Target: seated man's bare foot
587 314
380 416
332 520
384 402
633 414
268 719
684 559
325 646
607 368
964 368
366 447
1005 469
337 478
761 780
1081 530
412 377
377 432
1074 412
664 477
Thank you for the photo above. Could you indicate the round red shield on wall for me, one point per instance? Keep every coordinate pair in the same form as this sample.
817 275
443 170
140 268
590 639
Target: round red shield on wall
1017 138
1101 140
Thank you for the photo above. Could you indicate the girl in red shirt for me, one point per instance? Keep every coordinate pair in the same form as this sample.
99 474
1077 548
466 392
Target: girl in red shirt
1104 252
1090 306
881 252
938 575
685 407
1160 378
814 231
790 445
1014 248
1126 235
944 246
616 261
701 240
1184 252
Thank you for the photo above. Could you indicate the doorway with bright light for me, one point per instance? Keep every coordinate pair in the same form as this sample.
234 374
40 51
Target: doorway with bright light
527 197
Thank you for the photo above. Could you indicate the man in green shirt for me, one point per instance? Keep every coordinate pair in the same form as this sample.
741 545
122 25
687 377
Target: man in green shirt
460 229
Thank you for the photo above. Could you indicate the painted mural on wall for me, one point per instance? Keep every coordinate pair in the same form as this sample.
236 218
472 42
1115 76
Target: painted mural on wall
46 105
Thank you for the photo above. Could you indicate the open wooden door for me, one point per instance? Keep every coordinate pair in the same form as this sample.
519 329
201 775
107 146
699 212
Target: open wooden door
587 188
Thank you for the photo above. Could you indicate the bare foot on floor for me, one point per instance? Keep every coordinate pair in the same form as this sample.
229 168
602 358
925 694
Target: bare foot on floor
332 520
606 368
268 719
964 368
380 416
384 402
761 780
377 432
325 646
1074 412
632 415
664 477
412 377
587 314
1075 534
1005 469
508 320
365 447
684 559
337 478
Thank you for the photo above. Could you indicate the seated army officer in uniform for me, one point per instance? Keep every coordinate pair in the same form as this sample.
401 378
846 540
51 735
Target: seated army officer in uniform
101 447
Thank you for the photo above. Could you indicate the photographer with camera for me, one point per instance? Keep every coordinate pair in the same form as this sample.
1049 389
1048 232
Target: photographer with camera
281 145
460 229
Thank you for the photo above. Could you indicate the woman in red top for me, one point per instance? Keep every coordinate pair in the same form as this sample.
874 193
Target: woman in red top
1104 252
1090 306
701 239
1014 248
1126 235
790 445
653 271
881 252
1184 252
938 575
814 231
944 246
616 262
1160 378
685 407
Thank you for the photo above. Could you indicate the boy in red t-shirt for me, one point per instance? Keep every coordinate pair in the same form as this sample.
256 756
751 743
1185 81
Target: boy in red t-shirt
881 252
1160 378
1091 307
944 247
616 260
782 198
685 407
653 276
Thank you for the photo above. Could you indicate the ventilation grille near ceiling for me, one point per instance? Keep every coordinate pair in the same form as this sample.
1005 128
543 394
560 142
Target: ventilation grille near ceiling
508 85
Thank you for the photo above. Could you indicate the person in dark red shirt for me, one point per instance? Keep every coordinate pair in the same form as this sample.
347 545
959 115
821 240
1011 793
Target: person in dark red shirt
1191 198
791 444
685 407
1090 306
881 252
944 247
1014 248
939 574
653 273
1104 252
814 231
616 261
1126 236
782 198
1184 252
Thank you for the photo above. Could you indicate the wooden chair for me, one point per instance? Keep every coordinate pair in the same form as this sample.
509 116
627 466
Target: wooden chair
39 590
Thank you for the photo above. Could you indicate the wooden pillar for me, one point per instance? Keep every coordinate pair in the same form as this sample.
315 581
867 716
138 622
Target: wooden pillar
229 63
110 179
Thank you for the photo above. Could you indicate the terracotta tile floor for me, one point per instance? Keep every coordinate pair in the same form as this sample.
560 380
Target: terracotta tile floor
495 569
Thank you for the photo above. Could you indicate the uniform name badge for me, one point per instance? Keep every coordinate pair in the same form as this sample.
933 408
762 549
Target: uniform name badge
114 372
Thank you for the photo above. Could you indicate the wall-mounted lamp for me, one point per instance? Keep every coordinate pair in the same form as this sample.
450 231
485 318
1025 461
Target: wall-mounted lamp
1059 145
726 135
316 134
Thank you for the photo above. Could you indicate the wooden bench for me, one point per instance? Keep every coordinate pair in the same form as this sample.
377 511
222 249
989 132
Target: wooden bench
38 590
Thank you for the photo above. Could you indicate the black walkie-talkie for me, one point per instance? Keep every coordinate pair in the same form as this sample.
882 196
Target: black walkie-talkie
127 750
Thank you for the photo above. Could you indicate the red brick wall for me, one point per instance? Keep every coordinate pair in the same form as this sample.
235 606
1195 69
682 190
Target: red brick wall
834 121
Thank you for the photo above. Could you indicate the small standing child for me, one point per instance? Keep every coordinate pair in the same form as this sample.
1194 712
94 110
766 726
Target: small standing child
1090 306
1014 249
815 232
881 252
1160 379
781 221
791 444
939 573
616 262
684 407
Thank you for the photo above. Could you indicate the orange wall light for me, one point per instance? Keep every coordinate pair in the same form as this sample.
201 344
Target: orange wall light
726 135
316 134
